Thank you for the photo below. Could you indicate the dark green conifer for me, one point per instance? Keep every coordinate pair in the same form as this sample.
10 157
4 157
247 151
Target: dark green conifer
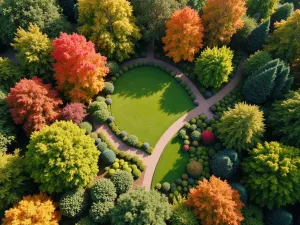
258 36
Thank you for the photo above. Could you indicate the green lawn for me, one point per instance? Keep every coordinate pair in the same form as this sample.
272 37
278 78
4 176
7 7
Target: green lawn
147 101
172 163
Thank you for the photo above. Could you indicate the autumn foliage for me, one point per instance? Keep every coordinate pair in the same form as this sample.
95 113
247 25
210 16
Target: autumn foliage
215 202
221 19
183 35
79 70
36 209
33 104
74 112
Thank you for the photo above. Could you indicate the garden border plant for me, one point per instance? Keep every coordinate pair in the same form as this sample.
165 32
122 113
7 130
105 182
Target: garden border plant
130 139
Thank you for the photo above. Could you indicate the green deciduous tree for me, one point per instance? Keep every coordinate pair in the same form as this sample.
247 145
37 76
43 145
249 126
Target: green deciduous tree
141 207
110 25
253 215
284 118
61 157
33 49
10 73
258 37
213 66
15 14
152 15
281 13
12 179
255 61
261 8
284 43
272 174
241 127
182 215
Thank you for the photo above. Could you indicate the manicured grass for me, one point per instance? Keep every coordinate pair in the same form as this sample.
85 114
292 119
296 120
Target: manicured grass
172 163
147 101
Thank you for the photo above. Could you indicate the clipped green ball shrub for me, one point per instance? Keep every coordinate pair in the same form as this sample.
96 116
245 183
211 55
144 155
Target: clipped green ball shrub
271 174
122 181
86 126
73 203
194 169
103 191
278 217
108 157
99 212
108 88
166 187
132 140
113 67
97 105
196 135
101 116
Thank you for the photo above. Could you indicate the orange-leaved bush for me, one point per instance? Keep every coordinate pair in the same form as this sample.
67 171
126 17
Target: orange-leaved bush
33 104
36 209
221 20
215 202
184 35
79 70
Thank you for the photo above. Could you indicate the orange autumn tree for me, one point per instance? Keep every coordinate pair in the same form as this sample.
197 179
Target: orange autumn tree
215 202
183 35
79 70
221 19
33 104
36 209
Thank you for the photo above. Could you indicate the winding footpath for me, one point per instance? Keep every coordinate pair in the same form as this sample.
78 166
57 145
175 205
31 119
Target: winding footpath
152 160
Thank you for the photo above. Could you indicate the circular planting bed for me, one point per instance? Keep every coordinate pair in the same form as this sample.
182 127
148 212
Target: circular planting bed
146 102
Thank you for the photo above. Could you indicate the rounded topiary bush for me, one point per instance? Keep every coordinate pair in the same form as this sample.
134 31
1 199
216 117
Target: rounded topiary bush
103 190
74 203
101 116
97 105
196 135
278 217
146 146
186 148
99 212
165 187
113 67
136 173
122 181
108 157
108 101
194 169
123 134
132 140
225 163
100 99
108 88
207 136
86 126
110 119
102 146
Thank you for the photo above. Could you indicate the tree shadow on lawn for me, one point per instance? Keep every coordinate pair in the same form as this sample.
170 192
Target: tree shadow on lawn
171 103
146 83
178 167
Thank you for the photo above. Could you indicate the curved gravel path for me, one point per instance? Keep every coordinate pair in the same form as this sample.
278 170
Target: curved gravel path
152 160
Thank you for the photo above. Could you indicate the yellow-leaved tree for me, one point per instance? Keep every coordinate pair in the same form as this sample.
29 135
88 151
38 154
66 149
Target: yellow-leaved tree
221 20
110 25
183 35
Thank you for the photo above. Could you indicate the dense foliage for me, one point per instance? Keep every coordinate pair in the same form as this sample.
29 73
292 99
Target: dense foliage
261 9
153 208
36 209
10 73
255 61
122 181
74 112
252 215
213 66
61 157
33 104
241 127
284 118
79 70
284 42
281 13
33 49
221 19
215 202
278 217
103 191
15 14
183 35
194 169
258 37
73 203
181 214
12 179
55 27
100 212
152 15
110 25
272 175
